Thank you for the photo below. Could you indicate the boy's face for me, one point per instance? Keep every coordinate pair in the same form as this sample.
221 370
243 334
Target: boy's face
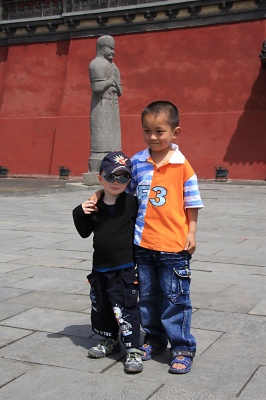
158 133
114 188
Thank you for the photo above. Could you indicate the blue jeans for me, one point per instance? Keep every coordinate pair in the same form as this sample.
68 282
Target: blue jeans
165 306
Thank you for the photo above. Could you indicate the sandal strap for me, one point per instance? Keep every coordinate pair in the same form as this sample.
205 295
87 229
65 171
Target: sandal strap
185 353
154 345
185 361
148 348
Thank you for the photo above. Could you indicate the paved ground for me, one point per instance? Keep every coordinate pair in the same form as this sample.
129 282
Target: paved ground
44 311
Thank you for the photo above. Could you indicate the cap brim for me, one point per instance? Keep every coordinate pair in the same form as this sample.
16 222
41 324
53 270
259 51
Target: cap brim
122 168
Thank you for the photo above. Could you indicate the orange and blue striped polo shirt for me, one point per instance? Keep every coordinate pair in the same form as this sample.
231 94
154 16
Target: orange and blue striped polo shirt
163 194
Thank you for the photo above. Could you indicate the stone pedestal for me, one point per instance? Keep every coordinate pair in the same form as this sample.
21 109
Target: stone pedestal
91 177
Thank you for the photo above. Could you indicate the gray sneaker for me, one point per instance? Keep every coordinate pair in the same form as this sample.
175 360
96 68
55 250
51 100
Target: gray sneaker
133 361
105 347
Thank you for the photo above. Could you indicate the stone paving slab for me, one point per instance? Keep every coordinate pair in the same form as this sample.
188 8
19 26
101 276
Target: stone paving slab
222 268
256 389
38 254
205 339
259 309
47 320
58 350
10 266
6 258
238 259
9 335
46 383
8 293
244 347
228 322
45 260
229 276
227 301
172 392
50 284
45 331
45 272
10 371
9 310
56 301
46 278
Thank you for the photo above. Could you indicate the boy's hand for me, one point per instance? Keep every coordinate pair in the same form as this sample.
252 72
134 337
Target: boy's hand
89 206
192 214
190 245
96 196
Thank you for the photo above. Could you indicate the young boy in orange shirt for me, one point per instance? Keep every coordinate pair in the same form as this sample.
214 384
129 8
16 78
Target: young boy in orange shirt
169 199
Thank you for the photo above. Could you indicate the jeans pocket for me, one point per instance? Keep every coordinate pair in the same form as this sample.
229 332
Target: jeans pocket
130 287
181 286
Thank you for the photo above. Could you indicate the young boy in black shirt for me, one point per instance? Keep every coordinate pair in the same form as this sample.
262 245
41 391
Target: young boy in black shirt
113 280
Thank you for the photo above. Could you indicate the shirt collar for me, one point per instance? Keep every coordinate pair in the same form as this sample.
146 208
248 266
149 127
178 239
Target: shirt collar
177 157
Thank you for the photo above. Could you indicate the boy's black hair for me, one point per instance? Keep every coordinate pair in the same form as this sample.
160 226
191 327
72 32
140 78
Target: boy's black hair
157 107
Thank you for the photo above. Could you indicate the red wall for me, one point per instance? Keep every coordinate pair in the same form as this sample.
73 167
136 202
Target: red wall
213 74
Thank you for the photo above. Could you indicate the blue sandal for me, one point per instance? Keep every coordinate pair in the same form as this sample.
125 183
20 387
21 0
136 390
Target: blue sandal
150 351
187 361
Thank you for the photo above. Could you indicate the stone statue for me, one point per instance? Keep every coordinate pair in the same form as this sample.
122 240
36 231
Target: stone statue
104 113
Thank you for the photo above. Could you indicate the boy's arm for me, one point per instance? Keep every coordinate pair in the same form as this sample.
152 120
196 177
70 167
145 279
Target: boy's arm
192 204
192 214
82 220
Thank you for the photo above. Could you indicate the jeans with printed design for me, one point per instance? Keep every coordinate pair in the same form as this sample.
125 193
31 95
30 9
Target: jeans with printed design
165 305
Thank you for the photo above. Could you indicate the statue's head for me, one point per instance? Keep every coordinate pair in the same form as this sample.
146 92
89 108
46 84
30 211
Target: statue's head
105 47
